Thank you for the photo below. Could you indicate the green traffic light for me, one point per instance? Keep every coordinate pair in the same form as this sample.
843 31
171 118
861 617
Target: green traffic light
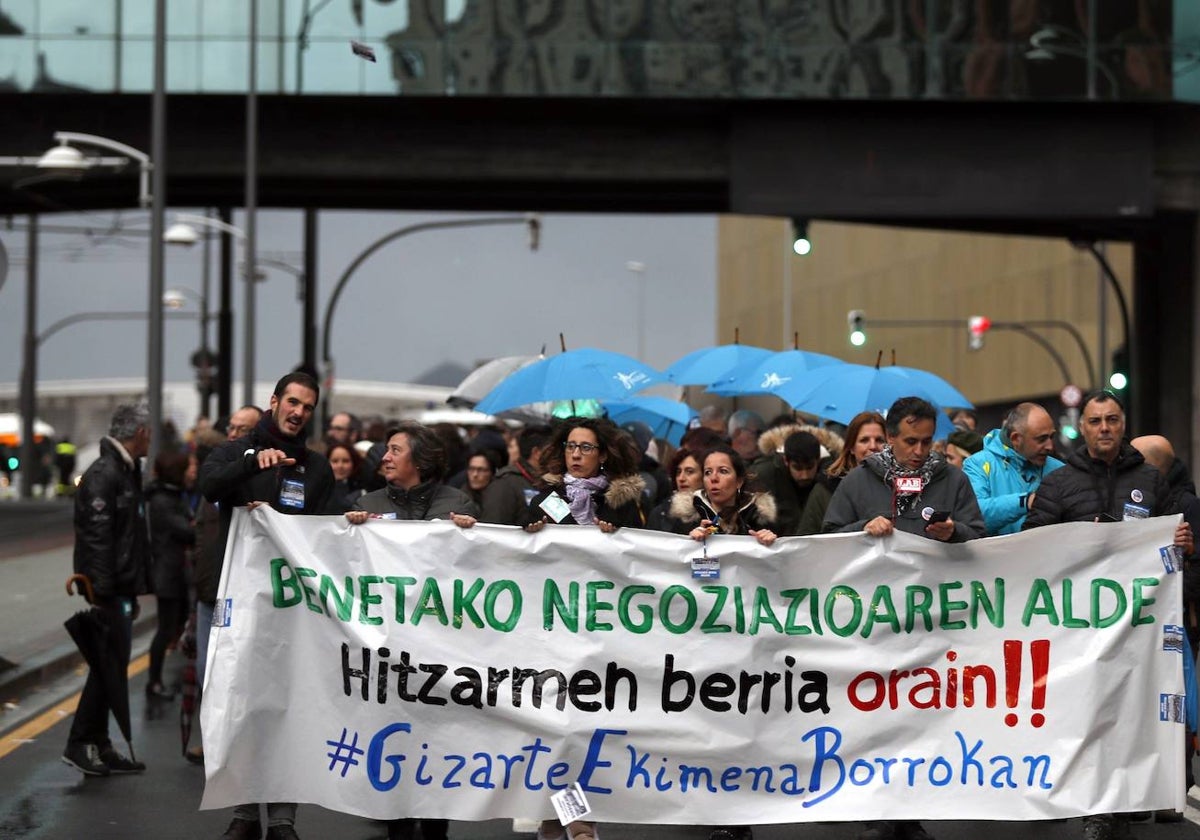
13 462
1070 432
1118 380
858 338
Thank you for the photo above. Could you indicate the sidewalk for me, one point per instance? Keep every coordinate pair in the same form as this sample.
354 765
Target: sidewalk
35 650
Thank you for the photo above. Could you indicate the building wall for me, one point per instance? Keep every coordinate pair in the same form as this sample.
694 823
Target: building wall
896 273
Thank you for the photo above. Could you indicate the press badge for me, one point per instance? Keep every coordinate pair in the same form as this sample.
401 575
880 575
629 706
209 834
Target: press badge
706 568
570 804
1134 512
291 493
554 506
908 484
1172 558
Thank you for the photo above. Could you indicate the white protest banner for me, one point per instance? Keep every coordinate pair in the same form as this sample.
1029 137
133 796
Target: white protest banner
418 669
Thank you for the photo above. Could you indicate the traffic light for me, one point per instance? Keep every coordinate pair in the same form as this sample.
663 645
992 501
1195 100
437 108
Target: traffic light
800 241
856 320
1118 380
1068 426
977 327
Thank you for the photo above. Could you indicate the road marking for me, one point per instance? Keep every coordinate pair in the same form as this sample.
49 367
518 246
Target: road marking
31 729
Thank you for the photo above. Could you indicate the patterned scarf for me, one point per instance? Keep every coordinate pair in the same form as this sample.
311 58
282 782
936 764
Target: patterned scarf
579 496
887 466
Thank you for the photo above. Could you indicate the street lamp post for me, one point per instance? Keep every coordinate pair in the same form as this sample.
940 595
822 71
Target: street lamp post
531 220
183 232
638 270
174 298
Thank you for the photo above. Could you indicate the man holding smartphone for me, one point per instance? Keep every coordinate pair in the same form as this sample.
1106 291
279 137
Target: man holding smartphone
1106 480
907 486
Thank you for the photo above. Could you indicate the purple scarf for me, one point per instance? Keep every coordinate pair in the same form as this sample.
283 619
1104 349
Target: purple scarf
579 496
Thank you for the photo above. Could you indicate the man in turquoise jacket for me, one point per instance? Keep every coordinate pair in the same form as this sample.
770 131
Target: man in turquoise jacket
1007 472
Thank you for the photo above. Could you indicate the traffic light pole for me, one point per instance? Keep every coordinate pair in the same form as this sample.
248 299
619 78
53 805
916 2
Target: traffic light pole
1023 328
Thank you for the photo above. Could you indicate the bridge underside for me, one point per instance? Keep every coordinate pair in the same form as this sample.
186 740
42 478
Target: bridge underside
1091 170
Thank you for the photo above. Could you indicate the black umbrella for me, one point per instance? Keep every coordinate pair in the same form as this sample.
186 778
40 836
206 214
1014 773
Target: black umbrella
92 633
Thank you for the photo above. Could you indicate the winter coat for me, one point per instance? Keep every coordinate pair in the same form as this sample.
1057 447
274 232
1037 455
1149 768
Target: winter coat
800 512
230 478
1088 489
754 511
171 533
427 501
506 499
619 505
1002 478
112 541
864 495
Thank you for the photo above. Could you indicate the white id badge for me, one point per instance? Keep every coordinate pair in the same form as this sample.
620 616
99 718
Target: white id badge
570 804
706 568
291 493
555 507
1134 512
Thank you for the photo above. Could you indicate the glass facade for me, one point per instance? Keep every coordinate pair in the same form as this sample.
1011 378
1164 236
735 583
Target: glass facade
759 49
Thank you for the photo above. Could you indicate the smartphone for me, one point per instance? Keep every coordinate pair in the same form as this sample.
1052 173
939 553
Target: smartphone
939 516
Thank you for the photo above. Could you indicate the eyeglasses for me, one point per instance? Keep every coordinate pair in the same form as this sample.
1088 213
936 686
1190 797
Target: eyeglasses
479 469
582 448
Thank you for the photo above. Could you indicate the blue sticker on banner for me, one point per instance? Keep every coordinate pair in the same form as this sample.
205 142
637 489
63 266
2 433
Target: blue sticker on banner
222 612
1172 558
1173 637
1170 708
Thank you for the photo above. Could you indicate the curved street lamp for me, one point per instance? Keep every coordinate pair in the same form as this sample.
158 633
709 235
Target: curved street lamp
68 161
533 221
183 232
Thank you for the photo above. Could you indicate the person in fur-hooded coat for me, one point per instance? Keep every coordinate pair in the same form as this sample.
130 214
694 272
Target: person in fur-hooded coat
725 504
591 478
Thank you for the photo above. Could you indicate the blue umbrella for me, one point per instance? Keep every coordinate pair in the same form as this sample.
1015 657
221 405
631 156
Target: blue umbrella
667 419
770 374
839 393
709 364
580 374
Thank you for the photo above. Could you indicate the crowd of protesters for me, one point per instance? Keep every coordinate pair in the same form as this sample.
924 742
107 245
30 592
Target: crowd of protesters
734 474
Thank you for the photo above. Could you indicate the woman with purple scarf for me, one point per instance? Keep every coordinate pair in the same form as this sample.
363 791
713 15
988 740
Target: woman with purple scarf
592 478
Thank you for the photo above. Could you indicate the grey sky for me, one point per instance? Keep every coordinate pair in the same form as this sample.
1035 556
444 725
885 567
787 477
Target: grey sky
458 295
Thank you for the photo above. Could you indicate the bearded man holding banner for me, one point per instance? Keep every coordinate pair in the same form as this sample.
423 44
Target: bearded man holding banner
906 487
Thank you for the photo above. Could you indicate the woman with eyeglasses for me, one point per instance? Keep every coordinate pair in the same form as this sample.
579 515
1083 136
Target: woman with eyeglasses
481 469
592 478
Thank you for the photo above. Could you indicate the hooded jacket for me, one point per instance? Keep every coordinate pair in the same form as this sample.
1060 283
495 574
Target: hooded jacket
755 511
1087 489
426 501
112 543
1002 478
619 505
864 495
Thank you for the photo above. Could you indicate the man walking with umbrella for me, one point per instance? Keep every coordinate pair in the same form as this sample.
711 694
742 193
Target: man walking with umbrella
112 552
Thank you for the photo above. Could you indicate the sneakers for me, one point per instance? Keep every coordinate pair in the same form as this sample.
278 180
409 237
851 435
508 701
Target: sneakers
1106 827
118 763
244 830
86 759
282 832
1168 815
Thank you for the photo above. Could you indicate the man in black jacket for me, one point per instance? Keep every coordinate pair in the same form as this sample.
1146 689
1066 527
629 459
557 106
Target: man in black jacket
1106 480
112 550
270 466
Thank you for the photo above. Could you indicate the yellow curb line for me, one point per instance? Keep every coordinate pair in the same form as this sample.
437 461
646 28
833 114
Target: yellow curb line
31 729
